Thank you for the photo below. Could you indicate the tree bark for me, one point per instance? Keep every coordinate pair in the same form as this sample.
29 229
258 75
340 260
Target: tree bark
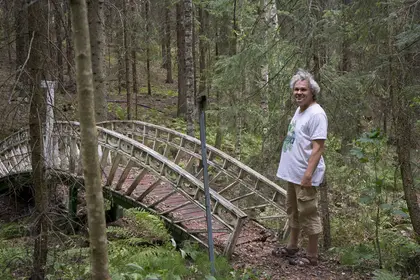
180 31
263 85
36 62
403 134
168 55
163 33
203 48
58 19
97 39
189 67
89 142
326 226
194 52
126 59
6 26
69 45
147 11
134 62
21 31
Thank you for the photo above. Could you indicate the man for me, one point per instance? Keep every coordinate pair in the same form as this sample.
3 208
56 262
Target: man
302 165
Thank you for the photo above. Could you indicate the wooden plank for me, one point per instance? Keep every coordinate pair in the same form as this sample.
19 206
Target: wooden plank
233 238
175 208
229 186
111 174
241 197
190 219
162 199
256 207
124 175
216 230
136 181
149 189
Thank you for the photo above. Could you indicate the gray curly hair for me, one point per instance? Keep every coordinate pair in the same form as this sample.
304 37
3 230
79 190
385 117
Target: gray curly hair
303 75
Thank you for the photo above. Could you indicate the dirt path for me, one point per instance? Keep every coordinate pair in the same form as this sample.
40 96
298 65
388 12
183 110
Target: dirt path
257 256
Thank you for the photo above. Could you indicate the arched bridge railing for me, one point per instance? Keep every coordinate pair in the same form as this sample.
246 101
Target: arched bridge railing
137 175
253 193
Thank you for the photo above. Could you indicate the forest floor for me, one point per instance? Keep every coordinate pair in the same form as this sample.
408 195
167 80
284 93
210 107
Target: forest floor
255 255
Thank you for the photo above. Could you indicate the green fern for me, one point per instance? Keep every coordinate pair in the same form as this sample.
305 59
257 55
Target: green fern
147 225
14 257
135 241
382 274
13 230
118 233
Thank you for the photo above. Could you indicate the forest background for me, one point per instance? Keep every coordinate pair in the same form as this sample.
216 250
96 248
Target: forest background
152 59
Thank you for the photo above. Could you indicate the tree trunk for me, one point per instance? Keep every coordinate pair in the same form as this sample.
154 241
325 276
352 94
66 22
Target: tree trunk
263 85
203 48
58 17
89 142
180 31
326 226
135 83
168 55
189 67
403 135
126 59
194 51
36 28
402 116
163 34
134 62
21 30
69 45
97 39
6 28
220 48
147 11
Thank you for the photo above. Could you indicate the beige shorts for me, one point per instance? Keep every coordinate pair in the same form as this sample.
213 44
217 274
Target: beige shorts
302 208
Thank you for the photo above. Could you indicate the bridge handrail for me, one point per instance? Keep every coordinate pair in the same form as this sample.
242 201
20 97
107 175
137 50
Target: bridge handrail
221 199
70 129
112 125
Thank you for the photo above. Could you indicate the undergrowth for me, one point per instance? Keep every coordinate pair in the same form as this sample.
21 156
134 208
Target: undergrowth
139 247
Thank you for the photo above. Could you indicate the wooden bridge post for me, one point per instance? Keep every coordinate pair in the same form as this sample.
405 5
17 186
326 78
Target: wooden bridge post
230 247
73 191
50 151
115 212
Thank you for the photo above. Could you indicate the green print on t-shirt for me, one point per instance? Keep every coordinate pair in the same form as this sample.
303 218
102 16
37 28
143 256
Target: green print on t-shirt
290 138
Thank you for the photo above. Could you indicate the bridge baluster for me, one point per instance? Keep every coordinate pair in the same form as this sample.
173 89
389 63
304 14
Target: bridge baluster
130 167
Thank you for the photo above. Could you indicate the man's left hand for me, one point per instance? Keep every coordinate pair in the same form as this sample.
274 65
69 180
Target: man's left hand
306 181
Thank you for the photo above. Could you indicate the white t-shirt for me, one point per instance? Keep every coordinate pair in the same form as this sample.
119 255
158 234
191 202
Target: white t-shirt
309 125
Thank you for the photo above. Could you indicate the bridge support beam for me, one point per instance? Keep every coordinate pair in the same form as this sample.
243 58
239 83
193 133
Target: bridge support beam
73 191
115 212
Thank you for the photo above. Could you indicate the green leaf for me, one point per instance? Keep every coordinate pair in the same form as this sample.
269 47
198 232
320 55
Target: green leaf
397 212
364 160
366 199
385 206
153 277
364 139
357 152
209 277
382 274
135 267
374 134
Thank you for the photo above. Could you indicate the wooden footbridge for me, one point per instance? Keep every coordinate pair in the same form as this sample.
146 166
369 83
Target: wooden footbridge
158 169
